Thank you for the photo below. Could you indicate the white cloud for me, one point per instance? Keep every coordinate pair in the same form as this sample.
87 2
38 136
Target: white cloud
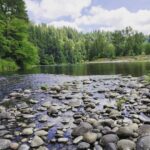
53 9
110 20
54 12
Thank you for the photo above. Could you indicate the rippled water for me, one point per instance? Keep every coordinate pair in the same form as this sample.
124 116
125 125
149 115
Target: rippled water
40 75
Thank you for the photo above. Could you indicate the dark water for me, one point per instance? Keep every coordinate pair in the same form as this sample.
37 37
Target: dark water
132 68
40 75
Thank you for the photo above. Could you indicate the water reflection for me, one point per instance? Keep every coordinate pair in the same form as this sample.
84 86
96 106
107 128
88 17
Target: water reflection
134 69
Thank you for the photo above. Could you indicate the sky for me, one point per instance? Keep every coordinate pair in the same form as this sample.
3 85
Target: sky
90 15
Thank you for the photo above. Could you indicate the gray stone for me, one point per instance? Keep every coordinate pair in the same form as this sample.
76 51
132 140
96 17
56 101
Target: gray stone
24 147
83 145
109 138
27 131
143 143
78 139
63 140
125 132
4 144
90 137
81 129
41 133
126 144
37 141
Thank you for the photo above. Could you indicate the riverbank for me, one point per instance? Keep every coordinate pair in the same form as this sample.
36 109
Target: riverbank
82 113
140 58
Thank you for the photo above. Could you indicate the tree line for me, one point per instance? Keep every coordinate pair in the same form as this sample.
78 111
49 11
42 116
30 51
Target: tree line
24 44
67 45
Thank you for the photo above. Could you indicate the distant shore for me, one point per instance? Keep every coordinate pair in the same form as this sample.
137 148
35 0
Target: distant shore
141 58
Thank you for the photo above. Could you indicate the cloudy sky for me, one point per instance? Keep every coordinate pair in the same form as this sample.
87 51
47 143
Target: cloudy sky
89 15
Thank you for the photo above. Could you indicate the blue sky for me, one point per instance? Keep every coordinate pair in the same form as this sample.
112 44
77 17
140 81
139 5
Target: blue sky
89 15
132 5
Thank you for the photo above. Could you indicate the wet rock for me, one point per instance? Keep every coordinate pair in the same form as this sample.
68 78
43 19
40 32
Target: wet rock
126 144
4 144
81 129
90 137
144 130
27 131
37 141
24 147
143 143
78 139
109 138
83 146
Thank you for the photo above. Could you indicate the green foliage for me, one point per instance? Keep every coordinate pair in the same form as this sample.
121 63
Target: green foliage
14 42
120 103
7 65
146 48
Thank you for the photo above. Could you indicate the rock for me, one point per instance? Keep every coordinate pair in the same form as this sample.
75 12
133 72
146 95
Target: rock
42 148
90 137
32 101
3 132
81 129
126 144
41 133
27 91
78 139
46 104
143 143
63 140
107 122
27 131
43 118
27 116
98 147
4 144
109 138
37 141
22 105
56 88
144 130
83 145
114 114
5 115
52 110
75 103
14 146
125 132
111 146
24 147
143 118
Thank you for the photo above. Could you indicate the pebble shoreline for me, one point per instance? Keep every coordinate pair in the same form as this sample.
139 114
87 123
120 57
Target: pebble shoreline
91 113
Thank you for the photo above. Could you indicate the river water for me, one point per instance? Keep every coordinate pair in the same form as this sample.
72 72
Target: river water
42 75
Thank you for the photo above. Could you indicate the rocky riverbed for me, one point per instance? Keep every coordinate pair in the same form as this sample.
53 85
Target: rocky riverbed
88 113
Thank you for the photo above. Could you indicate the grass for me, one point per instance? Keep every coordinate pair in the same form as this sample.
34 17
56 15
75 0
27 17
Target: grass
7 65
120 103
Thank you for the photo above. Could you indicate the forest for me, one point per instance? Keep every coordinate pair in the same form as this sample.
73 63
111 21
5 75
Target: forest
24 44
